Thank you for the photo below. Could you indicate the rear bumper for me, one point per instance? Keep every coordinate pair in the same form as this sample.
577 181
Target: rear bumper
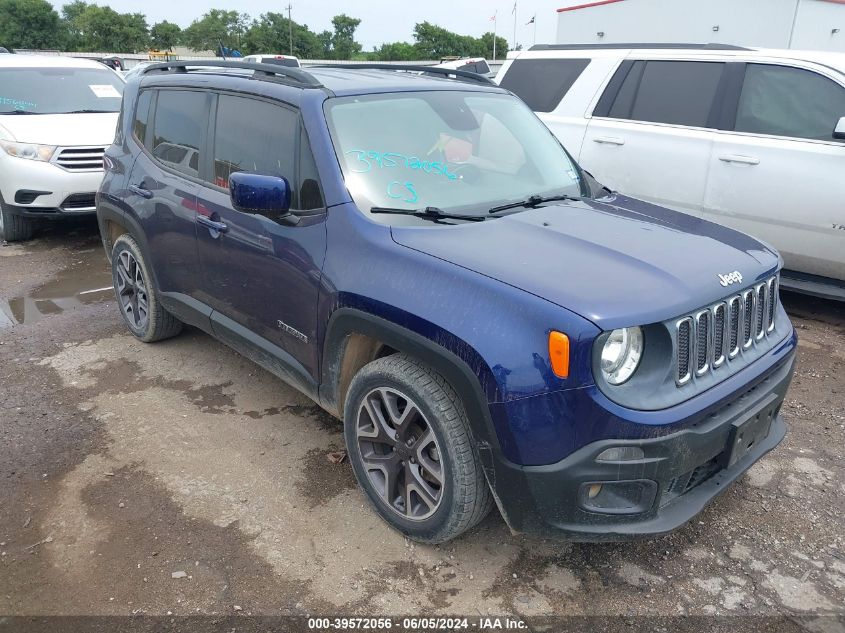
670 480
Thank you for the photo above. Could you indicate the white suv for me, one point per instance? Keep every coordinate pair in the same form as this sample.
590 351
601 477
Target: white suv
57 116
753 139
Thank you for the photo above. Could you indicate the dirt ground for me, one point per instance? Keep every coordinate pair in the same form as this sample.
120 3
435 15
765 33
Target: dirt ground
122 463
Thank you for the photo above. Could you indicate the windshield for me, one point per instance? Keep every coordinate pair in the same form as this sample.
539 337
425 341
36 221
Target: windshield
462 152
59 90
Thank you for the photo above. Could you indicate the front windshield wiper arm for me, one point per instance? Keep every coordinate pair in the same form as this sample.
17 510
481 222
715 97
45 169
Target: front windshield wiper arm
428 213
533 201
21 112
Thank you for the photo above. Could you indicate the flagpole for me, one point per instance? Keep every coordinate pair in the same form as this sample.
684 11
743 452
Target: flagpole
535 28
514 25
494 34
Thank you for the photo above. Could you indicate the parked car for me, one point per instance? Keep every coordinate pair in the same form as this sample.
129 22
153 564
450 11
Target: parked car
57 115
752 139
280 60
476 65
420 256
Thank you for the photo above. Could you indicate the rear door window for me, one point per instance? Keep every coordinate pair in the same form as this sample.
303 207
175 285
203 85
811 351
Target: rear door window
180 116
784 101
674 92
542 83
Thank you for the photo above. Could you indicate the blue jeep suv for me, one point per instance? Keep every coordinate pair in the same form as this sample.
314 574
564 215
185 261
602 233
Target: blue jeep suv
416 252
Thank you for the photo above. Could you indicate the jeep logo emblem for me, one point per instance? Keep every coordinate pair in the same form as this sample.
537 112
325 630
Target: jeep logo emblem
730 278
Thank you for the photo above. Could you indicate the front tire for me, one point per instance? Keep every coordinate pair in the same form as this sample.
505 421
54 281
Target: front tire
137 296
409 442
15 228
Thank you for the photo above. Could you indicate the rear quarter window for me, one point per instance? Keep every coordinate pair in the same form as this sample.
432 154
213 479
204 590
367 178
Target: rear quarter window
542 83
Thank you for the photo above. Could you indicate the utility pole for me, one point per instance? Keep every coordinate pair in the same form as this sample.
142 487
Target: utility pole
290 28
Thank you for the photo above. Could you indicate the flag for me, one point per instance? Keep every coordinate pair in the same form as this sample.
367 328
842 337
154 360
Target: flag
513 12
493 18
531 21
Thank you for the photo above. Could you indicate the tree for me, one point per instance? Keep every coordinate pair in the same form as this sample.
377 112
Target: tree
214 28
344 45
93 28
165 35
435 42
325 39
271 33
29 24
396 51
487 43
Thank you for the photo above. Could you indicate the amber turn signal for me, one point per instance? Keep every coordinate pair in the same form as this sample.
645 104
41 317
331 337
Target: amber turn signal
559 353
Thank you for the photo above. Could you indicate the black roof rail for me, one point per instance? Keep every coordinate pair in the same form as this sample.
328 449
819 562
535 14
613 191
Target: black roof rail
637 45
446 72
293 75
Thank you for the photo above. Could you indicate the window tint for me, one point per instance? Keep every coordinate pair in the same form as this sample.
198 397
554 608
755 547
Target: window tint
542 83
785 101
142 116
680 93
180 116
255 136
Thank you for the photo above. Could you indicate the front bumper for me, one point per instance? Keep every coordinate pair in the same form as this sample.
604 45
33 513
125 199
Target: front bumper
60 192
673 479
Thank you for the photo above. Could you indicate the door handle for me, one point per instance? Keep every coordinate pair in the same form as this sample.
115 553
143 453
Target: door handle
220 227
609 140
139 190
738 158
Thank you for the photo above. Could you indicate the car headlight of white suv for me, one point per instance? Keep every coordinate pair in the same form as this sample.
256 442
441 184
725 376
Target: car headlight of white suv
28 151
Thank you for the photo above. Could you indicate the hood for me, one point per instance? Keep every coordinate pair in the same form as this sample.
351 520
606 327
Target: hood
617 262
61 129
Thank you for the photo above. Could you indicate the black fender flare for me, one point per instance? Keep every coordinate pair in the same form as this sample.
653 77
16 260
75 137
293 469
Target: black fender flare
347 321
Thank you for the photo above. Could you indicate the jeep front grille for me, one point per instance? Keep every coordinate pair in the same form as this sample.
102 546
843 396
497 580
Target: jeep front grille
80 158
708 339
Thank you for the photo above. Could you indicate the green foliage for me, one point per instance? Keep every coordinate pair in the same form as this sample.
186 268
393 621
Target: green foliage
165 35
216 27
344 45
29 24
435 42
88 27
396 51
93 28
271 33
487 46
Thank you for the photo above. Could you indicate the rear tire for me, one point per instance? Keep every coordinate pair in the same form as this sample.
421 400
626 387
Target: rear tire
403 423
137 296
15 228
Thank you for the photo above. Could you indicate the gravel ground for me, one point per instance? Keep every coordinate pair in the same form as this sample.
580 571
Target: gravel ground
122 463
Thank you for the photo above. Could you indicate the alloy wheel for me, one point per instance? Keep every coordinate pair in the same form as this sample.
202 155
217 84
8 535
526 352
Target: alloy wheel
132 290
400 453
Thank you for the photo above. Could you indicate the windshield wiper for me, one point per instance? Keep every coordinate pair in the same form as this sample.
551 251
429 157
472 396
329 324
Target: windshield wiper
88 112
21 112
428 213
533 201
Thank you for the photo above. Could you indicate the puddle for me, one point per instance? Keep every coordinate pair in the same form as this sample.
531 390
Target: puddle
86 280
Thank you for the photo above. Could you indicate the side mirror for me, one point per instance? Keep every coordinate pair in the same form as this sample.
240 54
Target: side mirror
839 130
263 195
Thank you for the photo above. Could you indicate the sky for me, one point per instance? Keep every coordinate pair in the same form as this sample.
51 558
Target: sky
381 20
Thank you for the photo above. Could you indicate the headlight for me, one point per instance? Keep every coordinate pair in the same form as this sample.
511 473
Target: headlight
29 151
621 354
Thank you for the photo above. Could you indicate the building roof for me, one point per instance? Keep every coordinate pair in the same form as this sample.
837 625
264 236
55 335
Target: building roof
587 5
599 3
